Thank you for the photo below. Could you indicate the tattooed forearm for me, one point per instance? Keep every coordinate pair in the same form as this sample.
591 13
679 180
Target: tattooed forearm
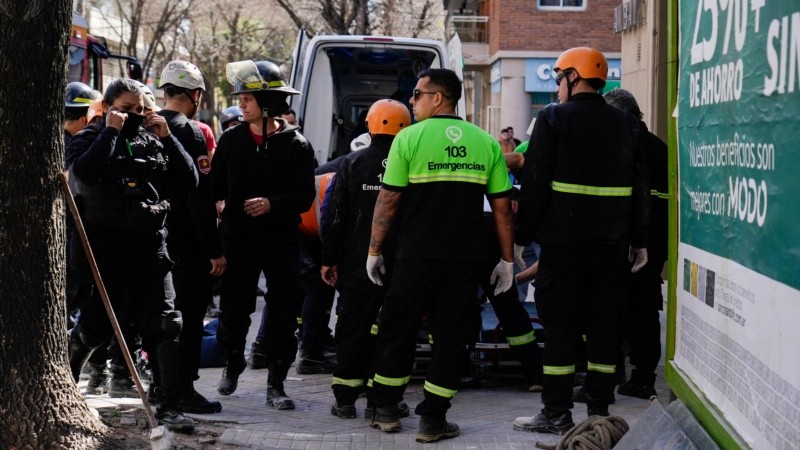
385 210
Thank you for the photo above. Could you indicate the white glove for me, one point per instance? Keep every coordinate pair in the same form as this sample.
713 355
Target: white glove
503 274
375 268
638 256
518 249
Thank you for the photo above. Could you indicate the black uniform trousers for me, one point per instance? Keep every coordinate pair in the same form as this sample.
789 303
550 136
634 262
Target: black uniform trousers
193 293
247 258
133 266
511 313
318 298
642 326
445 290
355 341
581 288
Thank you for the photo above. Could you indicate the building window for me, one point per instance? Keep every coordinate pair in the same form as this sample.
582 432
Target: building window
572 5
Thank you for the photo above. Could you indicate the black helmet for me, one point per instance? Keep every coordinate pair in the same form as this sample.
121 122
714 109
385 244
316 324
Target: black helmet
230 114
257 76
79 95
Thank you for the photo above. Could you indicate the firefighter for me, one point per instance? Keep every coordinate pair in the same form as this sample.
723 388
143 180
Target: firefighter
585 200
264 171
122 174
78 99
437 175
230 117
346 230
194 242
642 326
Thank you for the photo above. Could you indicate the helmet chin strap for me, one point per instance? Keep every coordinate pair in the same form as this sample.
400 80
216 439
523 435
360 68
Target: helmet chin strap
264 118
570 85
195 103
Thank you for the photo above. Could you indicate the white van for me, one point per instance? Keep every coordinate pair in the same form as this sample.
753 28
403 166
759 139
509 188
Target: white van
341 76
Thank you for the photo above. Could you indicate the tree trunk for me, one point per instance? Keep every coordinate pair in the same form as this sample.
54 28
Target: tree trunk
40 406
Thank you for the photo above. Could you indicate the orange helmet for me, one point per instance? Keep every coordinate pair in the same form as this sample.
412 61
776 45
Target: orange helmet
387 117
586 61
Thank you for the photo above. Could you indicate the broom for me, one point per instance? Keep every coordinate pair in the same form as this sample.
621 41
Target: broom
160 437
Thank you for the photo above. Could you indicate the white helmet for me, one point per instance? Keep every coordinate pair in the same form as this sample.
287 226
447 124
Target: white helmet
182 74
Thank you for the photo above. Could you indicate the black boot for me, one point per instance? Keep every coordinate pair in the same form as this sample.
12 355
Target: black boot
170 415
384 418
276 396
230 374
121 384
546 422
191 401
314 362
433 430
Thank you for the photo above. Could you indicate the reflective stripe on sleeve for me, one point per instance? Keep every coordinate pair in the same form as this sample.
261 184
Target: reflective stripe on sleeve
374 330
526 338
599 191
559 370
388 381
440 391
604 368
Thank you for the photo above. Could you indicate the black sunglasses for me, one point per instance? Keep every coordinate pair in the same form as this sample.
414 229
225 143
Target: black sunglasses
561 75
417 93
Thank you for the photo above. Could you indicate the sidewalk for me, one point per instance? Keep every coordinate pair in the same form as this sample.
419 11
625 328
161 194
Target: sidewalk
484 415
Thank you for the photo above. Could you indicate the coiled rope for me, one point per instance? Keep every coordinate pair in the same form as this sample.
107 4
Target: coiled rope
595 433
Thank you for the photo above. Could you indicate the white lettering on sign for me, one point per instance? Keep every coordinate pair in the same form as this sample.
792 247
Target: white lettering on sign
788 45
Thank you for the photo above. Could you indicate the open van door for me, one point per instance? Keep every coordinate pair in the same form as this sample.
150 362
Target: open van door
298 57
340 77
457 65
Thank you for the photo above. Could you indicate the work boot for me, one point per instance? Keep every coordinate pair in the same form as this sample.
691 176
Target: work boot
98 379
386 418
433 430
234 367
276 396
258 356
402 407
632 389
189 400
343 410
544 422
122 386
597 411
169 415
580 396
314 363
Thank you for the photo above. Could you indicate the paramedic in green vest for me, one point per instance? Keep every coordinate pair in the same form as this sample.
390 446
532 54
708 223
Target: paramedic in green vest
585 200
437 175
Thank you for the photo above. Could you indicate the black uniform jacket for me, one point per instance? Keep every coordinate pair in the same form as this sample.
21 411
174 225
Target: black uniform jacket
347 218
283 173
586 180
193 218
92 151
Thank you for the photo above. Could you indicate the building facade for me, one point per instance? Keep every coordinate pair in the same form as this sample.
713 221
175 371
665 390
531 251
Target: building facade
509 49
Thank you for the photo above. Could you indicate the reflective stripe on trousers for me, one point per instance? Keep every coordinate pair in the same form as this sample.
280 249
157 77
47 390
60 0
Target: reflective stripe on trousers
440 391
387 381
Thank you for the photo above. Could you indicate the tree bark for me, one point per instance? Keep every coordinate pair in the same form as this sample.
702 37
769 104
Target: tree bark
40 406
